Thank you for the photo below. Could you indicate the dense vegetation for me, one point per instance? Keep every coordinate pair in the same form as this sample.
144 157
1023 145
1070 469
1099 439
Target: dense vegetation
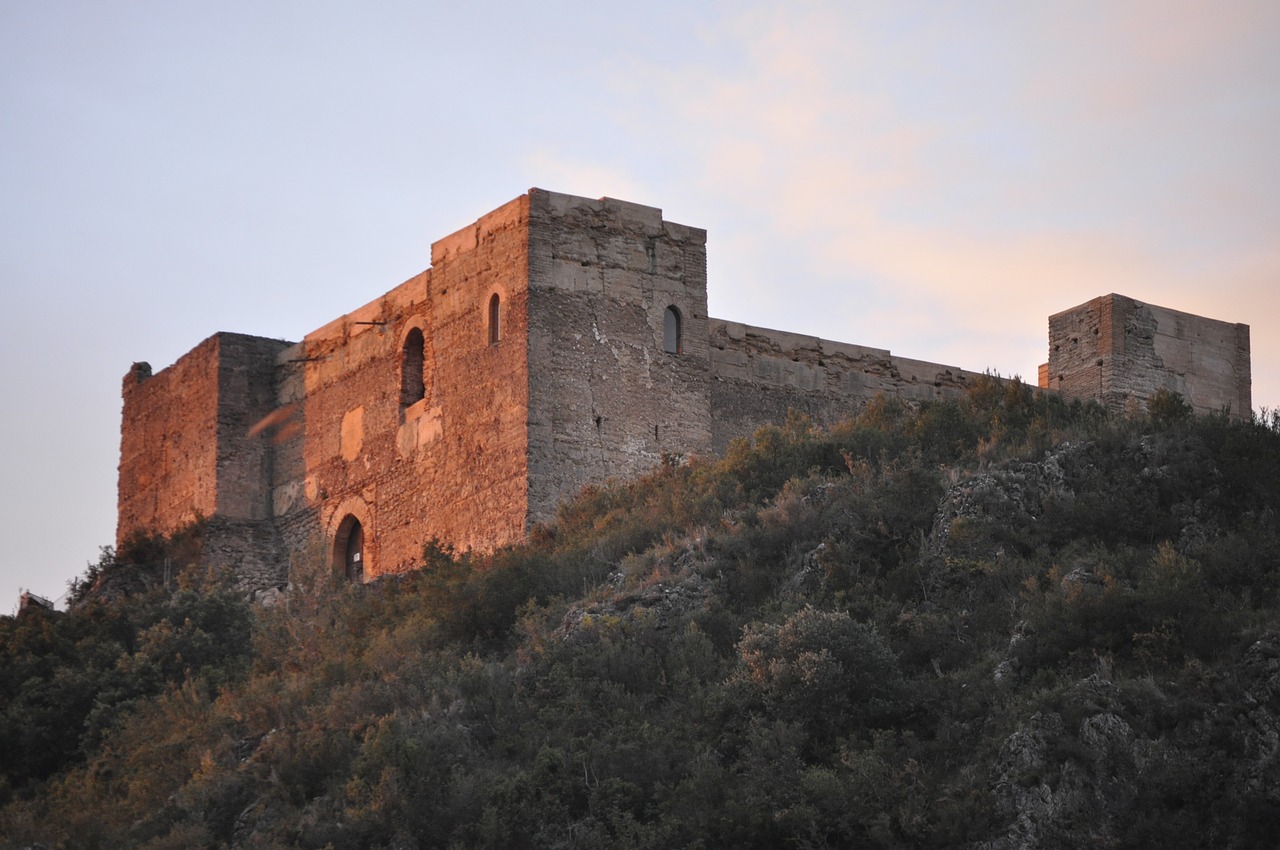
1007 622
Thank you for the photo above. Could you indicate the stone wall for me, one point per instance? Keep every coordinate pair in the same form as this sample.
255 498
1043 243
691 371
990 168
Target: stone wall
450 464
246 394
184 453
606 399
252 550
758 375
1121 352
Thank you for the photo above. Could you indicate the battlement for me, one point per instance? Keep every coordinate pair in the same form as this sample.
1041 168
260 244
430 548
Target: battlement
553 343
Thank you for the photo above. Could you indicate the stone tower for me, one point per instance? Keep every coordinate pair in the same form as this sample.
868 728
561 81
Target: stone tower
1121 351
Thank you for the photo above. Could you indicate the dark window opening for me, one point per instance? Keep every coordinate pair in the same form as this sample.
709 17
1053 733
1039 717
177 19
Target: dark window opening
672 338
350 549
413 385
495 311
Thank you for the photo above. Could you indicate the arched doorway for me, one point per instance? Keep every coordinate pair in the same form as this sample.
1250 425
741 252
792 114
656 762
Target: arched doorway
349 549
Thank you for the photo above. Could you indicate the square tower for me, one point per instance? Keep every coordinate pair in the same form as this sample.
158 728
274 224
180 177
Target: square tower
619 362
1121 351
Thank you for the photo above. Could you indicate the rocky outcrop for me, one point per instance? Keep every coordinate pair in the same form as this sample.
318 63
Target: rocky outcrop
978 509
677 585
1061 783
1085 774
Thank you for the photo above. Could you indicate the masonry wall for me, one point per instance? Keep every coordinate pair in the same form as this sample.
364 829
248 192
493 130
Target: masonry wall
758 375
168 450
1121 352
184 453
451 465
246 394
606 399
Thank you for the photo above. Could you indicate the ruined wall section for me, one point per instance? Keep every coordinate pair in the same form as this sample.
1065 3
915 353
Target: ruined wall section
240 534
296 519
450 465
758 375
1120 352
168 453
606 400
184 450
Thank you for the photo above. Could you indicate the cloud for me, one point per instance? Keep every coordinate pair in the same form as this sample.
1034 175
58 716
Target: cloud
939 180
981 168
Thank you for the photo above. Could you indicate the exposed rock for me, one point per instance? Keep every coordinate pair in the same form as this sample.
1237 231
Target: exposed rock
1081 784
120 581
999 498
256 820
270 597
1056 786
677 587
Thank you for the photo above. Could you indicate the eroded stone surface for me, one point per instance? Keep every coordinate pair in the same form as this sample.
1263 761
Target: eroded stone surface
1121 352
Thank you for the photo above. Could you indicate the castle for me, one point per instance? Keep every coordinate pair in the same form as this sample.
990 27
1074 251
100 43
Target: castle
555 342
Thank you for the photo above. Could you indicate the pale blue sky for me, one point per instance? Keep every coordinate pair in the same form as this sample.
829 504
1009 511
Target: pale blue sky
932 178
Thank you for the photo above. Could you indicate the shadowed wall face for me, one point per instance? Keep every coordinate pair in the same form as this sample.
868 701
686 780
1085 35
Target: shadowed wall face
759 375
606 398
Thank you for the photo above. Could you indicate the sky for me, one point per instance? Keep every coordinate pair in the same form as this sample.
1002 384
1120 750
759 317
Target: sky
931 178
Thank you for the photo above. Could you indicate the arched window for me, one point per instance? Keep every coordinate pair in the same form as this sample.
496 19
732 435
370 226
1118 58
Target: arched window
349 549
413 386
672 337
495 311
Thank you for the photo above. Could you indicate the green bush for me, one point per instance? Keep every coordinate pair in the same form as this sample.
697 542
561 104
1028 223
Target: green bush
774 649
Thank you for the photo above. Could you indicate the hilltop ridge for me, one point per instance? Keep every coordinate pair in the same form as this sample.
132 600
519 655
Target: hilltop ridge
1002 622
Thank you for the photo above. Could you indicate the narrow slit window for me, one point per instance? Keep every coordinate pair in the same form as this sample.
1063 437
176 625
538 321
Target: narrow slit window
413 384
672 336
495 317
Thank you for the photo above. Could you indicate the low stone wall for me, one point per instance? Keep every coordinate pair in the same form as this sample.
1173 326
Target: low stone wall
759 374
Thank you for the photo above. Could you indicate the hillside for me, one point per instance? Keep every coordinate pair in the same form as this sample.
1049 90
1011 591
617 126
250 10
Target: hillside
1002 623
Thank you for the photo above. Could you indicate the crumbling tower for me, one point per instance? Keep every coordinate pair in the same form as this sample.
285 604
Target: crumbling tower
1121 351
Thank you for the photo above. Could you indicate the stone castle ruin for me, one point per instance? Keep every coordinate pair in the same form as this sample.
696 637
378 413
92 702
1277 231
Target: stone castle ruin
556 342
